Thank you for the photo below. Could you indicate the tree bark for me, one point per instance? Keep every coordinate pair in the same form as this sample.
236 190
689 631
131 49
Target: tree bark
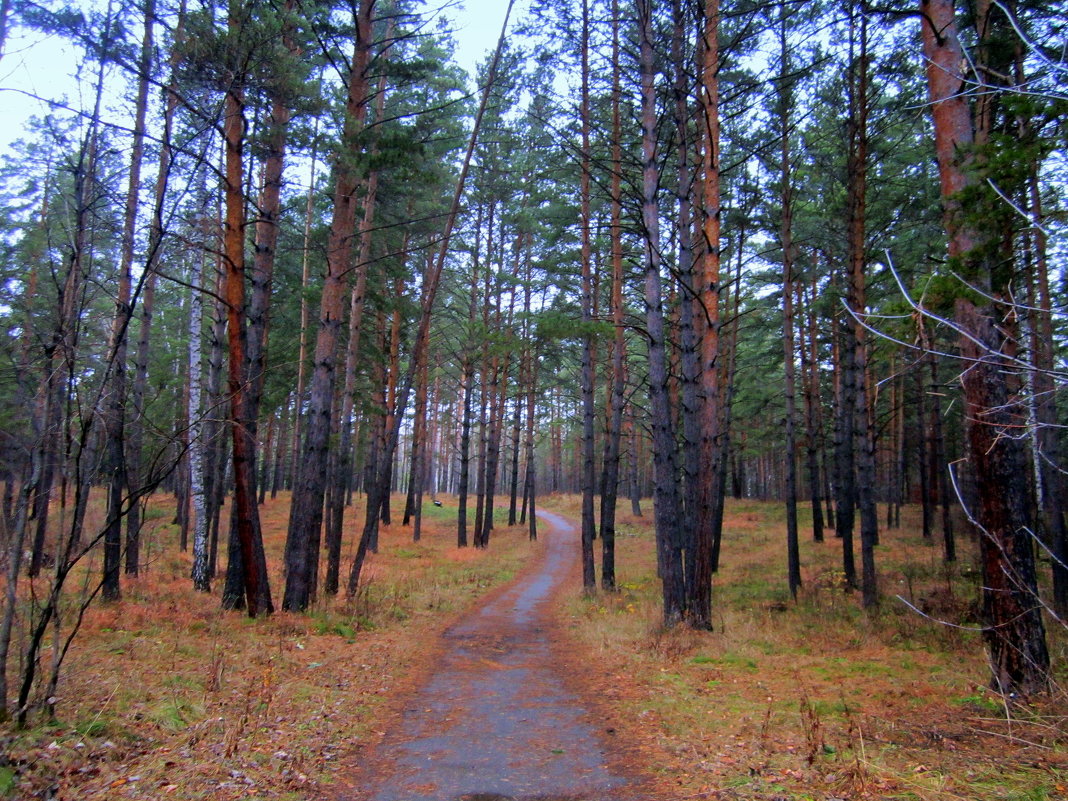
306 514
710 507
1014 631
589 578
246 514
689 360
786 244
198 490
613 434
857 172
669 551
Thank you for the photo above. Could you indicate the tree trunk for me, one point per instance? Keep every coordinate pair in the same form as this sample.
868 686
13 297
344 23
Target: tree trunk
517 428
689 362
530 480
844 436
246 515
306 513
928 496
864 435
633 481
612 437
710 507
669 554
468 386
115 413
197 445
217 453
421 458
786 244
1014 631
589 578
810 384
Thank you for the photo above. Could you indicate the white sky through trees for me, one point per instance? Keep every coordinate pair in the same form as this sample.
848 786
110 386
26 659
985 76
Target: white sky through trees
37 68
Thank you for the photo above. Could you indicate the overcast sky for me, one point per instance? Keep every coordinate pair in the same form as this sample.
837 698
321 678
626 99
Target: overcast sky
43 66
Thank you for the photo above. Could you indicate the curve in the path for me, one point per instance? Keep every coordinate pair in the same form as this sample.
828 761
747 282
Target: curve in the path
495 720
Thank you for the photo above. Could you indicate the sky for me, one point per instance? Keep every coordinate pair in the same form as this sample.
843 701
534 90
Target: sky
44 66
478 24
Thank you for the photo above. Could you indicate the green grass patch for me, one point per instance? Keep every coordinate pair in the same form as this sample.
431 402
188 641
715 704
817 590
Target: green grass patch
981 702
94 727
175 714
8 781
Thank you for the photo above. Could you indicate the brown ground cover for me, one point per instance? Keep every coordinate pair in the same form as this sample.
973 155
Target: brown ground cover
815 699
165 696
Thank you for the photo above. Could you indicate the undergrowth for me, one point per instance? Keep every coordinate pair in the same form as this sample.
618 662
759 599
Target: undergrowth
816 698
165 695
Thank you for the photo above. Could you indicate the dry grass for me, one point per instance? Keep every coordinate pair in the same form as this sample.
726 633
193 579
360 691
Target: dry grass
815 699
166 696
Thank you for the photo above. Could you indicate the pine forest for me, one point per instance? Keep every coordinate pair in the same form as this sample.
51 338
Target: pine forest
316 339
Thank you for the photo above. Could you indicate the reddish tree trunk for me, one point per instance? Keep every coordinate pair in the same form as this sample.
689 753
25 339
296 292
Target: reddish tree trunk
306 513
1014 631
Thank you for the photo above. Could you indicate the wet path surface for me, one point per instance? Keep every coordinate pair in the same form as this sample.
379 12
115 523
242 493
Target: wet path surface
495 721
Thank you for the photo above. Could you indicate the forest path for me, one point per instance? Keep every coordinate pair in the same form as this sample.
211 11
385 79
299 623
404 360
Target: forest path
496 720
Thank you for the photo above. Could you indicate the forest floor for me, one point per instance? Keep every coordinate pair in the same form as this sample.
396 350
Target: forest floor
166 696
817 699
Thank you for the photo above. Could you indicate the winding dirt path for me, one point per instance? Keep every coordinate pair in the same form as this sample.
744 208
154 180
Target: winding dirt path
496 720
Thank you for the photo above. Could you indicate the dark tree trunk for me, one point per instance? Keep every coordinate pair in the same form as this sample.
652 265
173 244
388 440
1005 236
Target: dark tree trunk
613 434
493 452
217 452
485 398
589 578
864 435
513 472
786 243
813 440
669 552
465 453
928 497
529 482
633 481
708 517
689 358
941 476
1014 631
281 457
422 456
468 384
844 436
306 514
